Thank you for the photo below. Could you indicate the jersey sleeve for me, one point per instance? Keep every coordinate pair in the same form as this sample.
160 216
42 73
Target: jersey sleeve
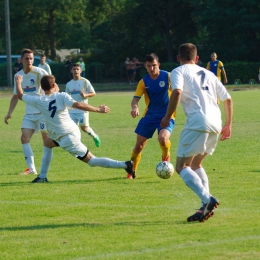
176 79
220 65
89 88
140 89
208 66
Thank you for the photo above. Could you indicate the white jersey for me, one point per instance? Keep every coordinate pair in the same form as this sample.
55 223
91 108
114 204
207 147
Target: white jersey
200 91
54 110
74 87
31 85
46 67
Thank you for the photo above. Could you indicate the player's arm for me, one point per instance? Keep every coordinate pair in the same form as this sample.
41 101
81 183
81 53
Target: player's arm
13 103
226 129
172 106
87 95
224 75
19 90
87 107
135 108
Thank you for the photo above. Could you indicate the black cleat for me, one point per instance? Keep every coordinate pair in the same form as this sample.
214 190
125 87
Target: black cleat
38 180
130 168
209 209
196 216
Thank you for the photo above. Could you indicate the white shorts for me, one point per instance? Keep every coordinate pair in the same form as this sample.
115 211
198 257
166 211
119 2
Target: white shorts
73 144
193 143
81 119
35 122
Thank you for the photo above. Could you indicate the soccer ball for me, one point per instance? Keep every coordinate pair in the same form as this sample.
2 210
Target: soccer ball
164 170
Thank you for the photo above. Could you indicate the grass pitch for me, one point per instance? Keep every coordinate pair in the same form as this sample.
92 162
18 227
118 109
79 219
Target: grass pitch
95 213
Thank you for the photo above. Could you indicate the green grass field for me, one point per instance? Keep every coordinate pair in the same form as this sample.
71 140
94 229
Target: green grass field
96 213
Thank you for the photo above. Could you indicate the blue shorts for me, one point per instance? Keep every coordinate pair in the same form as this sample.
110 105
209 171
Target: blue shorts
147 126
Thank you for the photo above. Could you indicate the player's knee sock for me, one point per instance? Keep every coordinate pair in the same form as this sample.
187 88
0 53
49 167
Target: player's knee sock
193 181
136 158
28 155
106 163
46 160
166 149
91 132
204 178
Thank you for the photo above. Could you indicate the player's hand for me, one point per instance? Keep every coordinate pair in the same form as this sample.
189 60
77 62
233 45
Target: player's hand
104 109
6 118
164 122
225 132
82 94
135 112
18 78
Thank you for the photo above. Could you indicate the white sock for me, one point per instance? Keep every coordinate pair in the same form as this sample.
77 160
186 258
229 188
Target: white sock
91 132
106 163
46 160
193 181
204 179
29 157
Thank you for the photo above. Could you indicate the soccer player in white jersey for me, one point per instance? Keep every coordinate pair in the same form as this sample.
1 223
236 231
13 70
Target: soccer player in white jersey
44 65
81 90
33 120
198 90
62 129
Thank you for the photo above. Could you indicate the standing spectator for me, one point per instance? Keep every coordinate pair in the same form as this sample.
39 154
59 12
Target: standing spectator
18 65
259 75
128 66
33 120
217 67
198 90
81 89
83 67
68 66
44 65
138 66
156 88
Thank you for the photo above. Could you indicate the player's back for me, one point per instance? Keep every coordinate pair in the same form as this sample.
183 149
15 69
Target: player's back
200 91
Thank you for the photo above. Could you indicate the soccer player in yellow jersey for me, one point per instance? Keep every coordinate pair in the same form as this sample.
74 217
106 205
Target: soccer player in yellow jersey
156 88
217 67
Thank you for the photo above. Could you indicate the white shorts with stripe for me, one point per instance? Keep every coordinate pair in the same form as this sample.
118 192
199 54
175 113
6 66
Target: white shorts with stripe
35 122
81 119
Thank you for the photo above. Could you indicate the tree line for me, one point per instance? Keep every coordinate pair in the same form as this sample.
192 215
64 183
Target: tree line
110 30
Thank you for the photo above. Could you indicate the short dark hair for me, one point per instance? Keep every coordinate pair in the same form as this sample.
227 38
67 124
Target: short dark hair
24 51
151 57
47 81
76 65
187 51
43 55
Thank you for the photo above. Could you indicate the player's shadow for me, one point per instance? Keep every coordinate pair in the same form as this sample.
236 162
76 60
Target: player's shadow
93 225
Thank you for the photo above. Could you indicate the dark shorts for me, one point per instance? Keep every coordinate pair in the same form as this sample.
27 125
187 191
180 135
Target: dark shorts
147 126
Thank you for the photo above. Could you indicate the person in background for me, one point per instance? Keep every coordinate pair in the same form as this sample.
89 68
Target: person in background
33 120
68 66
217 67
81 90
156 88
61 128
18 65
44 65
128 66
198 91
83 67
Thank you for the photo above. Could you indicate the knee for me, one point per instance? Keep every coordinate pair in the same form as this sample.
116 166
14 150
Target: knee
25 139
